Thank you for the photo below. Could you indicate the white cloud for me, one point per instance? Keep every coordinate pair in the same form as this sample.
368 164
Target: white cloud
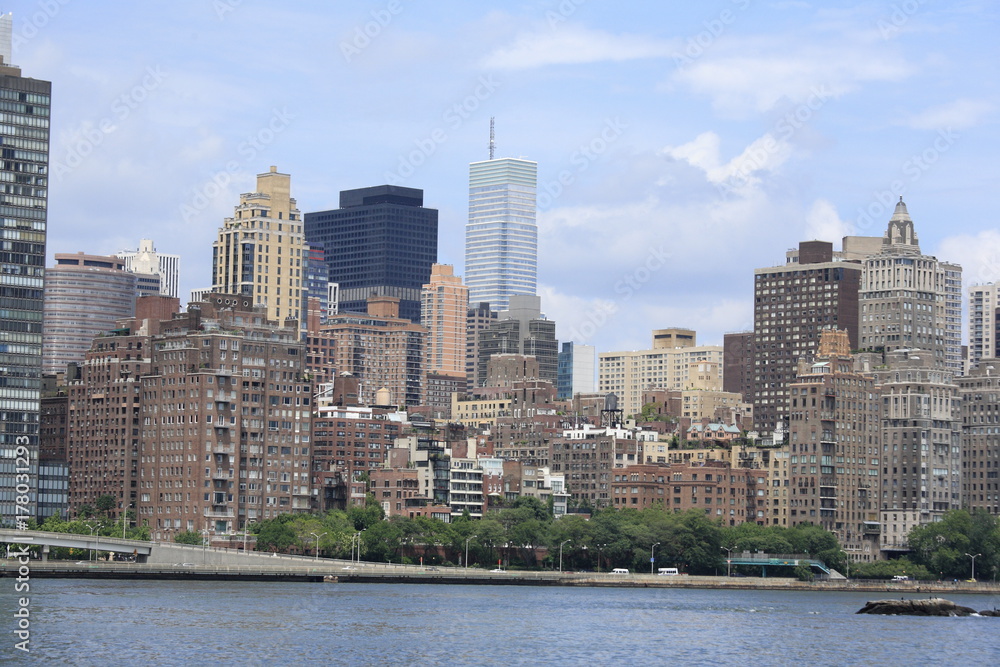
823 222
764 154
960 114
574 45
979 255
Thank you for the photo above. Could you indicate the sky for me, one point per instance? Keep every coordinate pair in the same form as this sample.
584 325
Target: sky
680 145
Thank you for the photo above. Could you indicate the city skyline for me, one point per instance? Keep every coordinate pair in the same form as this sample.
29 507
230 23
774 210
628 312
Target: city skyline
655 129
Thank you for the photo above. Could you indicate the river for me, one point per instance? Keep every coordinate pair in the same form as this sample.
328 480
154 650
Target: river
95 622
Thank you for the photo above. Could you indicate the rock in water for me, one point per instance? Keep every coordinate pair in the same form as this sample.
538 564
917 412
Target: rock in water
929 607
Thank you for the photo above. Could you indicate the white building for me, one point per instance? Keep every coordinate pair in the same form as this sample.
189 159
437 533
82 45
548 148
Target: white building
147 260
982 323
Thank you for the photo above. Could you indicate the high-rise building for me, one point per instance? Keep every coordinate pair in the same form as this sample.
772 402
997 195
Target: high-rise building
983 322
980 393
479 318
383 243
23 204
833 436
675 362
260 250
315 284
521 329
85 295
793 304
444 307
501 238
577 370
382 350
910 300
146 260
737 366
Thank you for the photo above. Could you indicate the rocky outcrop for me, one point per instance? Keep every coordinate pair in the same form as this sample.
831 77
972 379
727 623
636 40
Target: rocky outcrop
928 607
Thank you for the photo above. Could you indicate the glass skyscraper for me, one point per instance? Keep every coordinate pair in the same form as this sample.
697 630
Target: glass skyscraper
24 141
501 238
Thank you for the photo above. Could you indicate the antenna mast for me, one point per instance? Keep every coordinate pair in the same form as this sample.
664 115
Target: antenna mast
493 143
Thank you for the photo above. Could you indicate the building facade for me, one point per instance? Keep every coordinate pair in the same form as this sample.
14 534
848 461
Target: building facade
577 370
983 323
521 329
146 260
793 305
444 305
84 297
260 250
382 242
501 238
980 400
24 170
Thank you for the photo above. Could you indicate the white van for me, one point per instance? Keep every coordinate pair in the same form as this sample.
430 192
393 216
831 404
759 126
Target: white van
620 570
900 577
668 571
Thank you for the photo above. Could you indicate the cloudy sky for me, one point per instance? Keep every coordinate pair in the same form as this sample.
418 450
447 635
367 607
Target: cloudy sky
679 144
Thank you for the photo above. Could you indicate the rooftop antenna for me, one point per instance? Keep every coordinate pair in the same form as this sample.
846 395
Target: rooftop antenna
493 143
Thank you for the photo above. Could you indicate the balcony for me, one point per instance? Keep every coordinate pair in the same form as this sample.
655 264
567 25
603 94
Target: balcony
218 514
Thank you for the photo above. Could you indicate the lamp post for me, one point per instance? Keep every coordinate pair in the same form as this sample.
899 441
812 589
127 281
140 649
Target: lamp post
973 557
204 546
729 561
467 552
560 554
600 549
93 551
317 543
652 557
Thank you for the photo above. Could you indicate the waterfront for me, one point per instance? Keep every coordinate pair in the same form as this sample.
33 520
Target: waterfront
174 623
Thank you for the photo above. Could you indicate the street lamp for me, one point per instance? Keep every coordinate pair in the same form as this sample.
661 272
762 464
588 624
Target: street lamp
652 557
467 552
560 554
93 551
729 561
600 548
973 557
317 542
204 546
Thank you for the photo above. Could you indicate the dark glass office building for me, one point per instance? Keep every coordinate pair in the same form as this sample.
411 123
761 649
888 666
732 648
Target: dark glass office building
24 142
381 241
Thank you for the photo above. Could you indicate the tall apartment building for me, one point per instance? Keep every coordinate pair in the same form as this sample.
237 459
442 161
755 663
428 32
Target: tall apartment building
576 370
146 260
520 329
24 204
260 251
315 280
673 363
501 238
85 295
983 322
737 366
479 318
383 243
920 434
834 437
382 350
444 305
793 304
226 414
588 457
980 400
910 300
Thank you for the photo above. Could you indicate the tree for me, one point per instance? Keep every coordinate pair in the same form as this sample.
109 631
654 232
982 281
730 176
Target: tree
106 503
187 537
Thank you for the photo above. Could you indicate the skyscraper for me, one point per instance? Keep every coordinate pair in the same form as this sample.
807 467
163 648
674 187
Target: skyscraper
147 260
260 250
521 329
381 242
911 300
23 204
793 304
983 321
444 306
577 370
501 238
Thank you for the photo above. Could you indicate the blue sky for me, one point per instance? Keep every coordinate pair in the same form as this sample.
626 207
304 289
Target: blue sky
679 145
